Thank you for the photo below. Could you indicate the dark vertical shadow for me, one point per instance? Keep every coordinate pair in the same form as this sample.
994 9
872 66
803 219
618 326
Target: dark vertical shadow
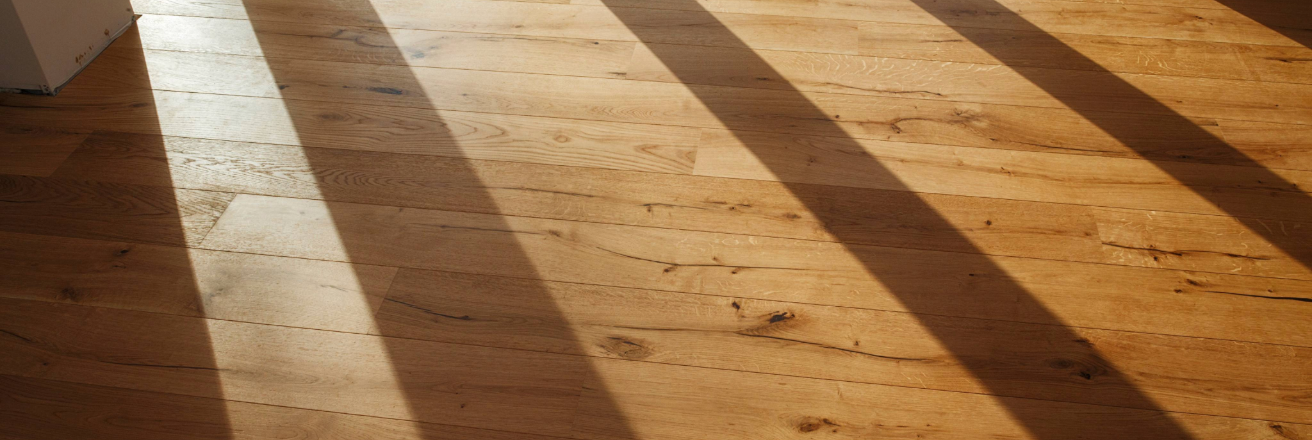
1088 376
1281 192
427 380
141 263
1291 18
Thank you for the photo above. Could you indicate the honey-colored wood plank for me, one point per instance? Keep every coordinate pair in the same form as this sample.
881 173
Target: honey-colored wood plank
595 20
72 208
1181 58
812 212
1204 243
1008 359
34 151
1019 48
372 45
193 282
363 127
745 266
94 340
540 20
968 82
1108 182
35 408
311 369
678 403
1164 137
1157 21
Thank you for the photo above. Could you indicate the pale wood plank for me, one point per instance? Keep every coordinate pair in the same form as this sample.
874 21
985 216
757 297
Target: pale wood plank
311 369
72 208
1109 182
1157 21
221 285
678 403
35 151
1020 48
1164 137
35 408
624 398
917 351
1169 240
363 127
541 20
608 58
592 19
968 82
812 212
594 195
951 284
460 50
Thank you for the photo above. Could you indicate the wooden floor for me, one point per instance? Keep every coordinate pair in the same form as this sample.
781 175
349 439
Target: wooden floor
666 219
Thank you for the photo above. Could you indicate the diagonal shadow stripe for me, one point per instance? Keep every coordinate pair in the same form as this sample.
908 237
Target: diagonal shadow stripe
1091 374
1291 18
1281 191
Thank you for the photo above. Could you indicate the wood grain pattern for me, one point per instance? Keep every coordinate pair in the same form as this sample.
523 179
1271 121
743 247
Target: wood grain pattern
590 18
656 397
1128 20
992 226
666 219
1022 360
1022 48
1162 137
678 405
34 151
364 127
952 284
35 408
968 82
193 282
373 45
310 369
1109 182
143 214
528 19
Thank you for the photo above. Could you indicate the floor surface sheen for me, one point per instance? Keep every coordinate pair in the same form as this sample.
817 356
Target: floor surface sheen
666 219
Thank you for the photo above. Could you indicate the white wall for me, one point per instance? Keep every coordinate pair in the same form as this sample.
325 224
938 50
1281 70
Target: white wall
64 35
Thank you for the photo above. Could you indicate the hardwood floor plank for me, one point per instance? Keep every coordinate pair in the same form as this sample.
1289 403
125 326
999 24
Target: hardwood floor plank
677 404
35 151
143 214
301 83
1240 100
364 127
744 266
1020 48
528 19
193 282
859 216
594 219
404 47
587 16
968 82
1205 243
35 408
309 369
1018 360
1051 16
419 48
658 401
1106 182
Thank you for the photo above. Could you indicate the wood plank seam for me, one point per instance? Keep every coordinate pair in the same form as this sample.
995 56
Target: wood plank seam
687 366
